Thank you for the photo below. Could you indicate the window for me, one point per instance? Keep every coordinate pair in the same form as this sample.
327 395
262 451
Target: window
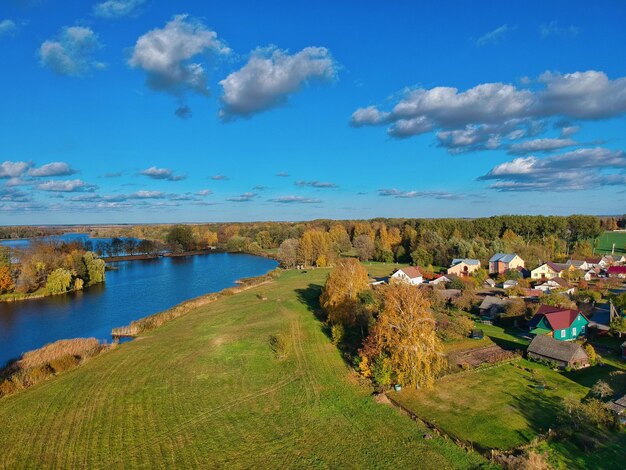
574 331
562 333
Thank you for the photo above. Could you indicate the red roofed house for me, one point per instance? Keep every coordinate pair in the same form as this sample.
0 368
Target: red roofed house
617 271
410 274
559 323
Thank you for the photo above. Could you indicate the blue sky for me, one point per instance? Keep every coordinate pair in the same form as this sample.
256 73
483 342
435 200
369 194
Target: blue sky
147 111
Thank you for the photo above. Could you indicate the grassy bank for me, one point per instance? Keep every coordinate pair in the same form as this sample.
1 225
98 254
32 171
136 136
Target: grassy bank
206 390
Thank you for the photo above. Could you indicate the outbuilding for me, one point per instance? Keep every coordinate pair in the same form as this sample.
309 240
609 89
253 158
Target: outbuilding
562 353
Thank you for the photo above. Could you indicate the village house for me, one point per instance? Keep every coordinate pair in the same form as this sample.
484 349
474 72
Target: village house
555 284
616 271
492 306
591 274
550 270
464 267
509 284
500 263
489 283
602 316
559 323
614 259
439 280
563 354
578 264
618 407
410 274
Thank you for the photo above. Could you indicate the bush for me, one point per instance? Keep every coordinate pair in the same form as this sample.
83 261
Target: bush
279 346
337 333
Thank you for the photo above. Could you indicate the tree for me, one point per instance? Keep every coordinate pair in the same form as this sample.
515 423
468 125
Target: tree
59 281
7 284
618 326
364 247
421 257
340 296
340 239
95 268
183 235
405 334
264 239
288 253
601 390
591 353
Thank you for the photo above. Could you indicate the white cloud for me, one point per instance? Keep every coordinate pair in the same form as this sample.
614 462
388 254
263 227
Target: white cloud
10 169
316 184
117 8
575 170
7 27
161 174
554 29
66 186
219 178
295 200
270 76
166 56
72 52
497 111
204 192
245 197
540 145
52 169
493 37
412 194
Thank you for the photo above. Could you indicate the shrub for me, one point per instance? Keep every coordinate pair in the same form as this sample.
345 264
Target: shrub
337 333
279 346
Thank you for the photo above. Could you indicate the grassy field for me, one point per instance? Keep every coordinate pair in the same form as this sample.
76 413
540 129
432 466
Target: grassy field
206 391
604 243
502 408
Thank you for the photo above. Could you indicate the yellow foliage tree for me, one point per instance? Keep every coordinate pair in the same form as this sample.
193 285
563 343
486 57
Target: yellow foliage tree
405 332
340 297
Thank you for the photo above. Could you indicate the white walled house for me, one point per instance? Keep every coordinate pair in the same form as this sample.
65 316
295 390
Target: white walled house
410 274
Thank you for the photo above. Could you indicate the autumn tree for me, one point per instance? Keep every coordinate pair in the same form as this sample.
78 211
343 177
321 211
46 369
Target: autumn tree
364 247
340 239
264 239
7 284
288 253
59 281
340 296
405 336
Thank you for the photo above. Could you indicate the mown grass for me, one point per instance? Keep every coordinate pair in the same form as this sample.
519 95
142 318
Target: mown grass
604 243
207 391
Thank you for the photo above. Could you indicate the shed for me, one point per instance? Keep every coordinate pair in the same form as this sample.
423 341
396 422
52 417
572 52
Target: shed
477 334
492 306
562 353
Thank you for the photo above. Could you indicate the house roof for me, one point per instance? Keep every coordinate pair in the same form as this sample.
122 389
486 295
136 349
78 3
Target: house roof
593 260
490 281
411 271
471 262
616 270
504 257
551 348
557 267
556 280
557 318
491 301
577 263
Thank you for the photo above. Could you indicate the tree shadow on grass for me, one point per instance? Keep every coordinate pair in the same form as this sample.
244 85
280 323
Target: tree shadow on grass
589 376
505 343
539 409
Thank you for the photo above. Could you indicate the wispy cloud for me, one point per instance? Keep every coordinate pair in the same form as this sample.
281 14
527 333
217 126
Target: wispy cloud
494 36
117 8
393 192
553 28
245 197
282 174
295 200
7 27
66 186
219 178
316 184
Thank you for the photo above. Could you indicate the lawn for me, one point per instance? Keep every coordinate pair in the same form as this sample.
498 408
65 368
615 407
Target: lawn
604 243
206 391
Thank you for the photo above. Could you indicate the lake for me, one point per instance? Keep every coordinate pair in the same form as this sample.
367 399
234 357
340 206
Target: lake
134 290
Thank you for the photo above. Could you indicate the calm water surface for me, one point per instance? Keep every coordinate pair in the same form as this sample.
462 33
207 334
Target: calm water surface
135 290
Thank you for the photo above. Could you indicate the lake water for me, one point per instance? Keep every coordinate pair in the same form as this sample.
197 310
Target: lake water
135 290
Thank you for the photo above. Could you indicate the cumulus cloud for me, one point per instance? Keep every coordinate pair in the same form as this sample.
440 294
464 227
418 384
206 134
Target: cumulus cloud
586 168
421 194
117 8
270 76
493 37
540 145
161 174
166 56
71 53
487 111
295 200
245 197
9 169
66 186
316 184
52 169
7 27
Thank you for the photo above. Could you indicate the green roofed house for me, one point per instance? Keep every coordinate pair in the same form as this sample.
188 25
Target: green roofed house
561 324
